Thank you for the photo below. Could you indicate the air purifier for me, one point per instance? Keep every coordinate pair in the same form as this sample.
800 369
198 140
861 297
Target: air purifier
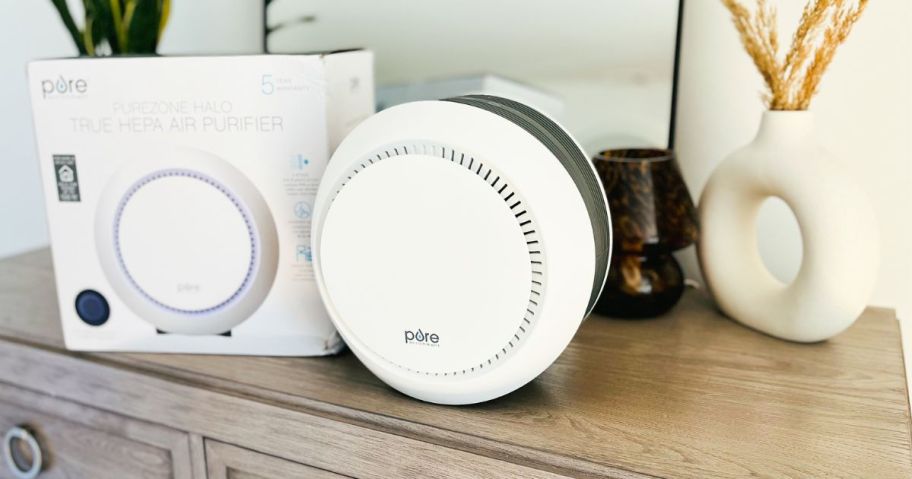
459 244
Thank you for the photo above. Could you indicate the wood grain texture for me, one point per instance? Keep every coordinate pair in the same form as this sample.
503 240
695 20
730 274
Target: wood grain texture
688 395
231 462
83 442
197 455
278 430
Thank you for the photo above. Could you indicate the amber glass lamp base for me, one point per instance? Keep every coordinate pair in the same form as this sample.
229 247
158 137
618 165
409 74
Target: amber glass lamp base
641 286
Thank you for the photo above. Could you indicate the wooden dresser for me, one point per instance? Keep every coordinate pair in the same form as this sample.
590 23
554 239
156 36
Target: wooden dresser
688 395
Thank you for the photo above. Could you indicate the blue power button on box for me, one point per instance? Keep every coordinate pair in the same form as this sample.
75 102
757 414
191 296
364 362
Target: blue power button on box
92 307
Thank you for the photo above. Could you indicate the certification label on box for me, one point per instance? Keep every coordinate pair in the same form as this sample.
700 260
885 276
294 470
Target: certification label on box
67 178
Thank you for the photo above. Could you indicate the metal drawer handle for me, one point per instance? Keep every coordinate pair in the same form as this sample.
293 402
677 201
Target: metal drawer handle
19 448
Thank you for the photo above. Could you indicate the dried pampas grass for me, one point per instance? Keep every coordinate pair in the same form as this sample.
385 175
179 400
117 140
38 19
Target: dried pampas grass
793 80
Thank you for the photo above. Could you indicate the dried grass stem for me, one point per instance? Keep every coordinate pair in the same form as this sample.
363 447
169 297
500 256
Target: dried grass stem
792 80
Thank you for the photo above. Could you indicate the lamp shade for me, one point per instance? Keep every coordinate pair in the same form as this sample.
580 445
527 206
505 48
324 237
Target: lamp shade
651 207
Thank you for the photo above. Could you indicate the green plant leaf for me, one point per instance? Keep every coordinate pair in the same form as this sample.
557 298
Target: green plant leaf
126 26
164 16
105 21
87 38
120 34
129 9
102 21
141 21
64 11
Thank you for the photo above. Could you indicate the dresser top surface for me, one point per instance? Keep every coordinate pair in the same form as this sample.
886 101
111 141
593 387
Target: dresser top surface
691 393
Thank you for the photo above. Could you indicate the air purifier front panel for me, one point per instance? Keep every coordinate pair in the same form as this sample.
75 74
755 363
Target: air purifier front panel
187 240
468 261
455 249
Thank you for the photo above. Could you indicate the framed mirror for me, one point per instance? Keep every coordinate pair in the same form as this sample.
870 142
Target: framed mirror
603 69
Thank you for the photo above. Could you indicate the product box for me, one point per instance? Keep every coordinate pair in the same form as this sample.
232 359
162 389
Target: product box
179 193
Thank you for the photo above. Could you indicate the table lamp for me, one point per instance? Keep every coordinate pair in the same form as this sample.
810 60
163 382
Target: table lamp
652 216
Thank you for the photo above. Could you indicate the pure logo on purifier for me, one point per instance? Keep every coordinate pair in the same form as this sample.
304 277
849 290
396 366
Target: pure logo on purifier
64 87
421 338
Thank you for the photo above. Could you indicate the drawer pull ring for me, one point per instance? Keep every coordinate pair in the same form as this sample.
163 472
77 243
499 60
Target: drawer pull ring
22 453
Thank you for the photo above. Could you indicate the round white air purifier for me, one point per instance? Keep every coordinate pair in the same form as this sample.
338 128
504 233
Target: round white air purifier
459 244
186 241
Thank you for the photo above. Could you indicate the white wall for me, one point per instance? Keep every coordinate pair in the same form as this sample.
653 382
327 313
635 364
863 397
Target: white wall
34 31
214 27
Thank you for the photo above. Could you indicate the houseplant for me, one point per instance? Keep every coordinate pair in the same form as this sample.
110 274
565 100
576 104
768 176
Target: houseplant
839 233
117 27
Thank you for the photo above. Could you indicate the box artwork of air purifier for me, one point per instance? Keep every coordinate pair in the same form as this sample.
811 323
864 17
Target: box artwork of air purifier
179 193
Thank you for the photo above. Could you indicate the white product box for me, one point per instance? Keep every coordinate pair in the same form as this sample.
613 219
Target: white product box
179 192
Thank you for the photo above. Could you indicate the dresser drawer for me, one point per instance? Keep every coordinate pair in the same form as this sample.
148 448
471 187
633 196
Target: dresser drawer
319 447
81 442
224 461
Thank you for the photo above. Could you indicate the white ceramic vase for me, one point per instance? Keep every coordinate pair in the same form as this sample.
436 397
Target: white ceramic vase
838 230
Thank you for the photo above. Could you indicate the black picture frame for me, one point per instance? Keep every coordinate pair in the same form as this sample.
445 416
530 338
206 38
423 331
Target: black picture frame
674 76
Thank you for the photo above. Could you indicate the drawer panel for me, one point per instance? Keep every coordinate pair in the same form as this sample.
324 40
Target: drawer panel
81 442
225 461
318 447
